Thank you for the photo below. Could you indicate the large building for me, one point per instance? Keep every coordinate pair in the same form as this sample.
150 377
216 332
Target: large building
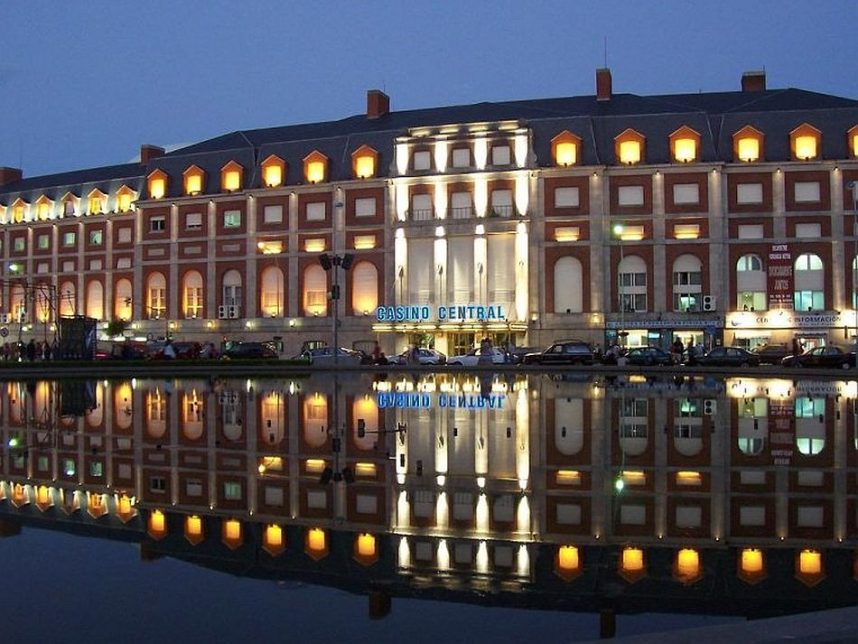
708 217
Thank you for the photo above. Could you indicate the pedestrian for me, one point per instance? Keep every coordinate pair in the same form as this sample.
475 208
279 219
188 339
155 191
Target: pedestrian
376 354
485 352
169 350
31 350
797 346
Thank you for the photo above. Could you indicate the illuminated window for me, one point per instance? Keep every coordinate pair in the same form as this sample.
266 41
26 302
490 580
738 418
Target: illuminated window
805 142
124 197
315 291
96 202
272 290
315 167
69 201
43 208
232 219
193 294
96 237
364 161
157 184
364 288
231 176
194 179
748 145
273 171
565 148
44 242
156 296
18 211
629 147
852 142
684 145
809 283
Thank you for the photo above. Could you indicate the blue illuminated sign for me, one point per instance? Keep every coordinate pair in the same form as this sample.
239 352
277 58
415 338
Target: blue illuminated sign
402 400
454 313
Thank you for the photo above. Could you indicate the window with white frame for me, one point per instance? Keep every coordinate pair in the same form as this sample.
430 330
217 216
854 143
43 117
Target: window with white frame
566 197
232 219
156 296
809 278
500 155
421 207
272 214
687 283
157 224
630 196
461 205
231 292
751 289
316 211
807 192
365 207
96 237
194 221
461 157
68 239
749 193
685 194
422 160
808 231
502 203
44 242
193 294
632 284
751 231
20 244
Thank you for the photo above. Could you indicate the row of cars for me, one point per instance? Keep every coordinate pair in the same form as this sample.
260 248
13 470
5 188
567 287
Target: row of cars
823 357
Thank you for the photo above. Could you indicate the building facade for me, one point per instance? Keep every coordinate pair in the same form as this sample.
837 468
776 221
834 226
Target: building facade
722 217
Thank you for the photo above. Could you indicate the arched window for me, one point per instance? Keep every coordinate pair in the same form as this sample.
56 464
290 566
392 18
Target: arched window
569 425
809 283
95 299
568 286
687 283
273 416
271 292
156 296
365 409
192 415
18 304
632 284
315 420
68 299
232 292
122 293
751 446
156 413
315 291
855 282
810 425
751 288
364 288
192 293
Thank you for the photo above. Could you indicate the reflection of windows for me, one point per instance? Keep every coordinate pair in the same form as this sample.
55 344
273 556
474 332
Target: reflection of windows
753 408
630 429
230 408
232 491
751 446
68 239
96 237
232 219
809 407
69 467
636 407
96 469
44 242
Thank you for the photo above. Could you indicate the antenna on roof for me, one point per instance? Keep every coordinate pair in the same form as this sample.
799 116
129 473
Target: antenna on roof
605 46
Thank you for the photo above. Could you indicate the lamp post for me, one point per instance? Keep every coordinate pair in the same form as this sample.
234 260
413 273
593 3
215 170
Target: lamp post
334 263
618 233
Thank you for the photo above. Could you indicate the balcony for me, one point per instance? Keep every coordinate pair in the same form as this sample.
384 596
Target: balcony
465 212
502 211
422 214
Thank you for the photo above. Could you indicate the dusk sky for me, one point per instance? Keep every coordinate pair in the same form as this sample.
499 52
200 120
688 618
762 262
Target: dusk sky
84 84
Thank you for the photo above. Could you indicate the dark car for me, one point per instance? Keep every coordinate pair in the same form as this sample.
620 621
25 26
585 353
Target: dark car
648 356
249 351
771 353
727 357
566 352
829 357
183 351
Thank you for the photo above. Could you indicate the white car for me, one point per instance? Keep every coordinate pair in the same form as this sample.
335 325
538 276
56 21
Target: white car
472 358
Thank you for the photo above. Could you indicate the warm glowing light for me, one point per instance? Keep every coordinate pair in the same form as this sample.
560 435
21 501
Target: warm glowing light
124 506
157 187
365 469
634 477
684 150
686 231
805 147
687 563
629 233
748 149
853 144
193 183
157 523
270 247
272 175
566 153
124 201
364 242
568 477
316 245
43 496
194 526
43 210
316 540
315 171
365 166
568 558
810 562
630 152
231 180
366 545
273 536
96 203
752 561
232 530
633 559
270 463
314 466
688 478
567 233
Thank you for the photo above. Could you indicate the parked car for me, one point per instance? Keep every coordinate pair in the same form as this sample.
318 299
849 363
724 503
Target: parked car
249 351
726 357
183 351
425 356
324 356
771 353
829 356
565 352
472 358
648 356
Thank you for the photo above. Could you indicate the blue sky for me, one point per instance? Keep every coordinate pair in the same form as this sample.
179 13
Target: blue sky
84 84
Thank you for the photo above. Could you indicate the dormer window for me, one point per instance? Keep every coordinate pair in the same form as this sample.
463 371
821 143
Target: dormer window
273 171
157 184
124 197
748 145
685 145
95 202
231 176
805 142
18 210
629 147
193 177
565 149
43 208
315 167
69 201
364 162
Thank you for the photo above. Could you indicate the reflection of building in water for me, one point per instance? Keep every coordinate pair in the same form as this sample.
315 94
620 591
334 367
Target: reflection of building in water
747 487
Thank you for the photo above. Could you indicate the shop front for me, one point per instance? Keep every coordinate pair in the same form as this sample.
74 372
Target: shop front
751 329
662 331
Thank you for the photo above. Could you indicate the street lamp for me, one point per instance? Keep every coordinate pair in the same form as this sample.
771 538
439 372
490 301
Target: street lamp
618 233
336 262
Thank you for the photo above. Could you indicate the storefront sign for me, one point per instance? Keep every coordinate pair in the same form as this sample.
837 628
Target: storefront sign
786 319
780 277
398 400
454 313
678 323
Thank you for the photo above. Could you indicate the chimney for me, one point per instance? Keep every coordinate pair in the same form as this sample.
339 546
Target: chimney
149 152
377 104
603 84
754 81
10 175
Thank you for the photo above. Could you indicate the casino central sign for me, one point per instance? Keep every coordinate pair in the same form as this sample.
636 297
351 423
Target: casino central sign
452 313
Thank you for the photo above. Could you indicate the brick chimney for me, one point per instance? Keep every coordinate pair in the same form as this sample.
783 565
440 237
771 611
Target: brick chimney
10 175
754 81
604 86
377 104
149 152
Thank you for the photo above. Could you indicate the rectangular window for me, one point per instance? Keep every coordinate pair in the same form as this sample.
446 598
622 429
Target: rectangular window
500 155
232 219
44 242
421 207
96 469
123 236
566 198
272 215
123 262
749 193
808 231
686 193
69 467
68 266
631 196
461 205
20 244
807 192
232 491
194 221
751 231
809 300
157 484
157 224
422 160
43 267
194 487
365 207
316 211
502 203
461 158
96 237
